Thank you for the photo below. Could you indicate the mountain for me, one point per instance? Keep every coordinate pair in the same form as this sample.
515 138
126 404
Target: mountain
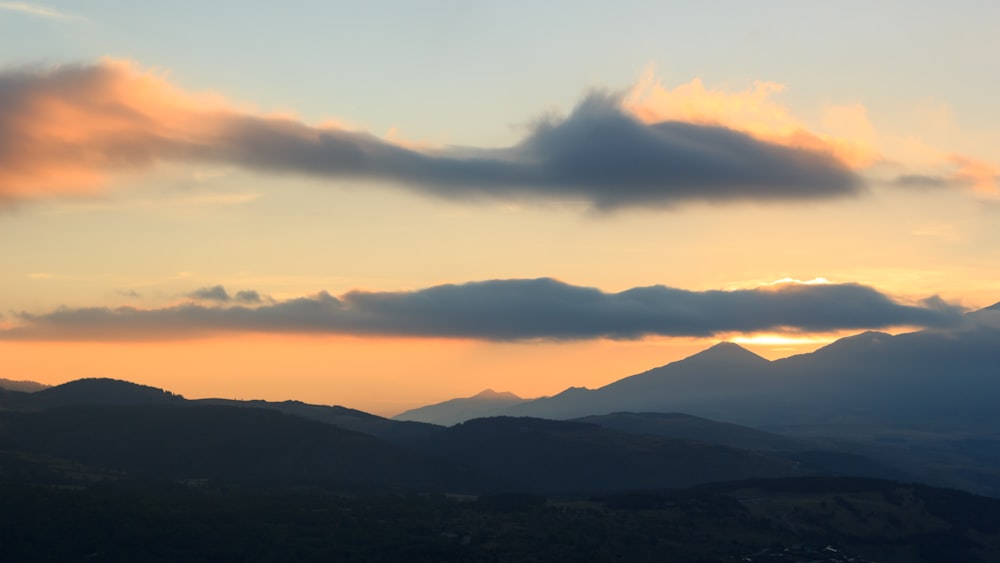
705 384
113 392
454 411
22 386
923 402
560 456
931 379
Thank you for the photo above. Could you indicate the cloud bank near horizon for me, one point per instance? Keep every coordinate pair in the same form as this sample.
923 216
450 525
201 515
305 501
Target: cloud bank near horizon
499 310
66 130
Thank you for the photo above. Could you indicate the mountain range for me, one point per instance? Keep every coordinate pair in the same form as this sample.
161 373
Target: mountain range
109 429
917 407
927 380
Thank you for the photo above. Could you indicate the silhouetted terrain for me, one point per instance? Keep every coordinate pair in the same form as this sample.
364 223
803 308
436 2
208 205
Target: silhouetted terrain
108 470
23 386
546 455
923 402
399 432
454 411
799 519
929 380
215 444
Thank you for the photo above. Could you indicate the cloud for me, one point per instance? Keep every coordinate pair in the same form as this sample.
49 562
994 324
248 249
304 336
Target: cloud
505 310
248 296
219 294
961 171
214 293
38 10
68 129
754 111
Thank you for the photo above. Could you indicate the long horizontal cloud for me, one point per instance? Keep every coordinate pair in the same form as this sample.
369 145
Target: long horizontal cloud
65 130
507 310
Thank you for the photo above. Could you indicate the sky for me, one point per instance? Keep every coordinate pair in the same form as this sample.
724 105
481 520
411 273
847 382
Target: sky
389 204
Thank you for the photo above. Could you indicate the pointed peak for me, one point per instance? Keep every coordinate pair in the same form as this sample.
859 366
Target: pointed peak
727 346
728 352
489 394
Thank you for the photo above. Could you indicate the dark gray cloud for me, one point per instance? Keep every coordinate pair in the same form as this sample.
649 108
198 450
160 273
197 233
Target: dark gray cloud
598 154
509 310
219 294
248 296
213 293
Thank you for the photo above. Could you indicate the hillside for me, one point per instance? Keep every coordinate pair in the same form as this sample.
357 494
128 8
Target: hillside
217 444
549 456
773 520
22 386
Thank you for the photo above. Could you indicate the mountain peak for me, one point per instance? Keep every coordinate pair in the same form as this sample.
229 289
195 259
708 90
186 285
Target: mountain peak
728 352
491 395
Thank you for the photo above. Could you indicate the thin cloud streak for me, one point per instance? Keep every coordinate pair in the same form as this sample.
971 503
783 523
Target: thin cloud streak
66 130
500 310
39 10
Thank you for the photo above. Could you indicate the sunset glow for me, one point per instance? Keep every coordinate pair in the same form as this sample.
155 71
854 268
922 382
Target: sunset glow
401 212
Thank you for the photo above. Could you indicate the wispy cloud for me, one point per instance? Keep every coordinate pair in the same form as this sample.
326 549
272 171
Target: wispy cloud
76 125
39 11
500 310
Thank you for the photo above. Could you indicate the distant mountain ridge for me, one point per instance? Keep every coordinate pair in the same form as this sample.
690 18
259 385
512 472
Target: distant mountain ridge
485 403
915 406
111 425
22 386
912 379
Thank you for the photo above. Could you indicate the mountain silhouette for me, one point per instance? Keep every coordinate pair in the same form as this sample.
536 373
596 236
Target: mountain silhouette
694 385
485 403
102 391
21 386
922 379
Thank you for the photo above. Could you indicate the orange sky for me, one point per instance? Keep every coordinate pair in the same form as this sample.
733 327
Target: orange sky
137 171
379 375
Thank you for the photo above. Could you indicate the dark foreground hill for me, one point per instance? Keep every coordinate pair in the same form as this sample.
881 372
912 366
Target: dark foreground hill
790 520
219 445
111 429
548 455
